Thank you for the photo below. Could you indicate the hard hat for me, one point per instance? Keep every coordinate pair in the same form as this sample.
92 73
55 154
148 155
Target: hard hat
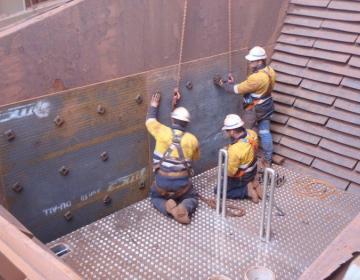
181 114
232 121
256 53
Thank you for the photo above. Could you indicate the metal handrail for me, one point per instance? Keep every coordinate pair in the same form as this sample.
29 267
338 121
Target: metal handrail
221 189
267 204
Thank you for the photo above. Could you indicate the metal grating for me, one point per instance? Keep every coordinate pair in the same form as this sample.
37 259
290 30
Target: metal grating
139 243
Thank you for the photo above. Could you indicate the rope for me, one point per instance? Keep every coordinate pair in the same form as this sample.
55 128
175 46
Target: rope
229 36
315 188
231 209
181 44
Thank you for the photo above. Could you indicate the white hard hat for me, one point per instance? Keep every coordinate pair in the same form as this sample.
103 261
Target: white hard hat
232 121
256 53
181 114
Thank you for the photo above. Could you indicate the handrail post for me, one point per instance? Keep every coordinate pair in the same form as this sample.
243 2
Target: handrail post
267 204
221 189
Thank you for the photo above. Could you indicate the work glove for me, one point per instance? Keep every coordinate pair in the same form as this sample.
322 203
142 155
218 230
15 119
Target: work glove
231 79
218 81
175 99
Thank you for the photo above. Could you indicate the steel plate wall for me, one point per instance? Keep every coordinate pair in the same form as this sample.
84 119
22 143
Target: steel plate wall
34 158
41 148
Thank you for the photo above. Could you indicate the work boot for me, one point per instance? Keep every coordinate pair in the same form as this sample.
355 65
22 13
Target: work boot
258 189
252 192
169 205
180 214
266 163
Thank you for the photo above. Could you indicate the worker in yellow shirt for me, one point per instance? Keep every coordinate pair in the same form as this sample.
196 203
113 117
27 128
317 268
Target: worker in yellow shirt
242 160
172 192
256 90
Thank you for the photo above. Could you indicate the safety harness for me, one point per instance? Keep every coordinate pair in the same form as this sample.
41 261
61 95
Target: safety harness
175 144
246 168
176 140
260 98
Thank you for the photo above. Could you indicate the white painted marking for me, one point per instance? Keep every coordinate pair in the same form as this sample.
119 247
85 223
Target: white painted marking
86 196
56 208
41 109
126 180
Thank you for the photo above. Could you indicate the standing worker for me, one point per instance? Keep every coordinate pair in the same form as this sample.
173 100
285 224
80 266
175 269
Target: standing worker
172 192
242 161
257 90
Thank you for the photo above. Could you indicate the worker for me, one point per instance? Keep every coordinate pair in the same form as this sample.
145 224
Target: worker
256 90
172 192
242 160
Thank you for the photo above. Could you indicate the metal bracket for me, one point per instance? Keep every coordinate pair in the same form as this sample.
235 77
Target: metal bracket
10 135
64 170
107 200
17 187
100 109
279 179
189 85
142 185
139 99
58 121
68 215
104 156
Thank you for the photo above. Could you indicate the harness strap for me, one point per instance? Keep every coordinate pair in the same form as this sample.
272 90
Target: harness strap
270 86
265 96
241 171
176 140
173 194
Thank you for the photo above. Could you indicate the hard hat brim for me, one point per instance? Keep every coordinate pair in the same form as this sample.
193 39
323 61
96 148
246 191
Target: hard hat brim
232 126
181 119
250 57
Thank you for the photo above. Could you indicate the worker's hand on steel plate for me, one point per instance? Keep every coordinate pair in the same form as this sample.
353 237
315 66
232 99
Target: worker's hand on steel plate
155 99
231 79
176 98
218 81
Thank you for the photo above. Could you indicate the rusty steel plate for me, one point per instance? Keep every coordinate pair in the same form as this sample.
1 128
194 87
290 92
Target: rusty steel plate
85 42
52 148
139 243
54 164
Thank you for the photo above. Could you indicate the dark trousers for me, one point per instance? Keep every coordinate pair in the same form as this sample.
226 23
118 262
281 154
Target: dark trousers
189 200
237 187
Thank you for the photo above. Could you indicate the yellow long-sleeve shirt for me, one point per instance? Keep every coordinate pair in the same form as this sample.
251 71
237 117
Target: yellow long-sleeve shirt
241 155
257 83
163 136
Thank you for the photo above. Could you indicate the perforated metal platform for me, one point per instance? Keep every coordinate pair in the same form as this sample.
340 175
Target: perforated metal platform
140 243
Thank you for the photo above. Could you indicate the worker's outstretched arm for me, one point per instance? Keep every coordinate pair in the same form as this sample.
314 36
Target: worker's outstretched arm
229 87
250 85
154 106
152 124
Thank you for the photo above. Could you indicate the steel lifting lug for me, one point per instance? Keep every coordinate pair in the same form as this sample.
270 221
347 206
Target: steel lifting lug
17 187
59 121
142 185
107 200
139 99
104 156
189 85
100 109
64 170
68 215
10 135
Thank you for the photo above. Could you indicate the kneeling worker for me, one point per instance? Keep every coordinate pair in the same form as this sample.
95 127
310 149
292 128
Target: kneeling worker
242 161
172 192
